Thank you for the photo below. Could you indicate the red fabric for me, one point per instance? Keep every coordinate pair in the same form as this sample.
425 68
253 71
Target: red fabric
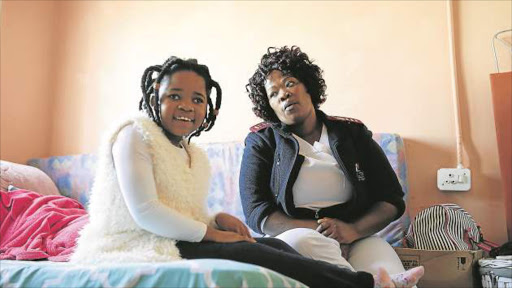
33 226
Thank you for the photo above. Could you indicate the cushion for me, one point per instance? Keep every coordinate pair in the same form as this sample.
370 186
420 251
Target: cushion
73 174
26 177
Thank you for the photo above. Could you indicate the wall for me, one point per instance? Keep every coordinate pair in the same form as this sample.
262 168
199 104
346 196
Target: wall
477 22
386 63
27 41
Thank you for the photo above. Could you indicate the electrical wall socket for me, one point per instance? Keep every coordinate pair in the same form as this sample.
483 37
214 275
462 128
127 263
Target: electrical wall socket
454 179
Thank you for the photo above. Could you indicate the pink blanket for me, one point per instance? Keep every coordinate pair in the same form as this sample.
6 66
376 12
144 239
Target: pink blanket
33 226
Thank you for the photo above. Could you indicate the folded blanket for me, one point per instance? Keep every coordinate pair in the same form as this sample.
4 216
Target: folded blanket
33 226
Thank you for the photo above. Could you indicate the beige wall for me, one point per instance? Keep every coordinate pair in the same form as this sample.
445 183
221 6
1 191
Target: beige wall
26 98
386 63
477 22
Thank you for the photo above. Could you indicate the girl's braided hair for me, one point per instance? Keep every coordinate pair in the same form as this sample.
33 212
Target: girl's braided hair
150 85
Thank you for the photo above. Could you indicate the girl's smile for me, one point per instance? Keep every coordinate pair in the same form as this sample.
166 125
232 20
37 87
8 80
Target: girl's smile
182 103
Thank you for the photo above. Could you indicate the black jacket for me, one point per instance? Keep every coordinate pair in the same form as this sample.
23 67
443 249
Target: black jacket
271 164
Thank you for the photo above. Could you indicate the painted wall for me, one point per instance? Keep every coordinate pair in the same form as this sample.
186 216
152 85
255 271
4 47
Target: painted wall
477 22
385 63
27 45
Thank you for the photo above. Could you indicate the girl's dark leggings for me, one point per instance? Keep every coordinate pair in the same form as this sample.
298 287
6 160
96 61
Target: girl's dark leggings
276 255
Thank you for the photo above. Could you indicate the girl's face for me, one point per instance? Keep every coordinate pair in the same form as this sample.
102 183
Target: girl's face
288 98
182 103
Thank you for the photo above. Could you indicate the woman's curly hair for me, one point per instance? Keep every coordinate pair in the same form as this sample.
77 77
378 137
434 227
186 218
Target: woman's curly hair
292 62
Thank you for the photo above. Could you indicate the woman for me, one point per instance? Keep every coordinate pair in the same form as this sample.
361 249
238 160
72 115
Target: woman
148 202
317 182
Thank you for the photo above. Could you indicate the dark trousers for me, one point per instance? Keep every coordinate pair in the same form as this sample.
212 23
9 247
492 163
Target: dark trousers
276 255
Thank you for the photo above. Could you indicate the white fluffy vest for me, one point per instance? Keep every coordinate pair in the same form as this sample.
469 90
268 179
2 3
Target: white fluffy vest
111 234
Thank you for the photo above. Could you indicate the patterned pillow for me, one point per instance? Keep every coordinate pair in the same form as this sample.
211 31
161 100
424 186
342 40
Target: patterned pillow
72 174
225 160
393 147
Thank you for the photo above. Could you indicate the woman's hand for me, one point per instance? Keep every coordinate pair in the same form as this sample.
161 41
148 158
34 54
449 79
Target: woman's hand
278 222
342 232
227 222
219 236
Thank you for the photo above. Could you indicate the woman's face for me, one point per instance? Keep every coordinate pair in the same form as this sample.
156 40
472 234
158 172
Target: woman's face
288 98
182 103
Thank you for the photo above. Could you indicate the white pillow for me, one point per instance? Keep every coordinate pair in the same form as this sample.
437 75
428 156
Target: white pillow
26 177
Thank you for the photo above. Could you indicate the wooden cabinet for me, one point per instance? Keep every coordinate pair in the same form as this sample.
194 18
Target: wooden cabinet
501 85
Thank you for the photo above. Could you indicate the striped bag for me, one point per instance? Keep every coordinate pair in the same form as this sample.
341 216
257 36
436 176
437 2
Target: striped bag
445 227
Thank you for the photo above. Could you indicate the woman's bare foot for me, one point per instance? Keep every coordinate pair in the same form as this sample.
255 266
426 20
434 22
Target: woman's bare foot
405 279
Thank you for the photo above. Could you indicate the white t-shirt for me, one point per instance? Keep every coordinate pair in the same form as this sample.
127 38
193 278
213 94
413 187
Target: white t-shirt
134 169
321 182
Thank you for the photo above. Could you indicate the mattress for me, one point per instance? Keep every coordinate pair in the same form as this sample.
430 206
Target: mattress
185 273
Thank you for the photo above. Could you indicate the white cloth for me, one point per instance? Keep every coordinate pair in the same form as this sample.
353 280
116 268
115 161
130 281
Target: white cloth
320 182
367 254
312 244
113 234
134 169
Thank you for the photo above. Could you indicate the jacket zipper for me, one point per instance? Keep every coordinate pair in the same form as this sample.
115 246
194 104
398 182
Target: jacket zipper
277 177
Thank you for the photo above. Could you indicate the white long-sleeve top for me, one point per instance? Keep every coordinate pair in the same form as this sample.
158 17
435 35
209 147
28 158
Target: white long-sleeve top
112 234
134 169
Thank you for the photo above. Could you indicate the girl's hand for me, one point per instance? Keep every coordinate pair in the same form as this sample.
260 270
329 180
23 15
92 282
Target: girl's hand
342 232
219 236
230 223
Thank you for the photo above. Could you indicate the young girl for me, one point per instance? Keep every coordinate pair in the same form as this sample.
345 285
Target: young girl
148 202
